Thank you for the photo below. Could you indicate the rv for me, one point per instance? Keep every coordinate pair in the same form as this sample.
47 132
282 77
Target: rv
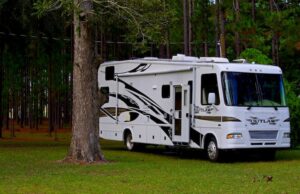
204 103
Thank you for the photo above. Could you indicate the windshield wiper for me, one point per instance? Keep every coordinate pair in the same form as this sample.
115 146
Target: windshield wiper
275 107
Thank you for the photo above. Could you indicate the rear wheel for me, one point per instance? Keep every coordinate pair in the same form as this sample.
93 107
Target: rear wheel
212 150
128 141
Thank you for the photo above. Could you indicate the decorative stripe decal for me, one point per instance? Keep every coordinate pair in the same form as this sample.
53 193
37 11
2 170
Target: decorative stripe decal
106 112
141 68
218 118
127 100
129 87
230 119
133 90
195 136
110 111
209 118
167 130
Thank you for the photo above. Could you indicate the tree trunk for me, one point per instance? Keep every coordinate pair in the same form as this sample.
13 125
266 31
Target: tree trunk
275 40
206 31
1 86
190 36
7 112
186 26
222 29
217 29
253 11
162 49
50 95
85 129
236 33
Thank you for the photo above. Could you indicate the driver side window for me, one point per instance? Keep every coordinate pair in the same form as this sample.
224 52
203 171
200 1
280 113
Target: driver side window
209 84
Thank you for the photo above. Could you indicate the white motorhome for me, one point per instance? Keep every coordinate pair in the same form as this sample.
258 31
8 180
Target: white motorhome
206 103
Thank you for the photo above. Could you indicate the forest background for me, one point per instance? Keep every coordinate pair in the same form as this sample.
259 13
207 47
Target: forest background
36 51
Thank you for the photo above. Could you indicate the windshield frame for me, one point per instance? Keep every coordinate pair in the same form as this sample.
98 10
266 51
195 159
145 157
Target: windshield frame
223 87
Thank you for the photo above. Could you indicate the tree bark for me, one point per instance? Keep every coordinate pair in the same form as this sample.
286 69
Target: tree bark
236 33
222 29
186 27
275 39
1 86
253 11
85 129
190 30
217 29
206 31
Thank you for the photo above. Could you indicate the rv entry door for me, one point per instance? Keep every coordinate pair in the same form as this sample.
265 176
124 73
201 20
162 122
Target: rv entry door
181 113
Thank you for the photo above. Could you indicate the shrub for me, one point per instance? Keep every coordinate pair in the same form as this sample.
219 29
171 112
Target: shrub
254 55
294 106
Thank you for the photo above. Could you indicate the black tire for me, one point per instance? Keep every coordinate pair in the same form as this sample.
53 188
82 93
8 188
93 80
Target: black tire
130 146
212 150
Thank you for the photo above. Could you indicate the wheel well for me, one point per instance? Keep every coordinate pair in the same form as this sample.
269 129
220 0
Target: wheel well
126 131
207 138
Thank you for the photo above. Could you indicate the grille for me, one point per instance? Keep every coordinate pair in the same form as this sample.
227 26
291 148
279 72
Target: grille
263 134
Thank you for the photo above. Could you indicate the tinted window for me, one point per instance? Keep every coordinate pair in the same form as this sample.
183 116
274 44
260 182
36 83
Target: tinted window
165 91
251 89
104 94
190 83
110 73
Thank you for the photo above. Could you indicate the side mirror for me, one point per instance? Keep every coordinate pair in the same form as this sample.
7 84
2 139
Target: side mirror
211 98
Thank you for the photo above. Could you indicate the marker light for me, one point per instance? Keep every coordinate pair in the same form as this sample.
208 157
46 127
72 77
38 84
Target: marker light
234 136
286 135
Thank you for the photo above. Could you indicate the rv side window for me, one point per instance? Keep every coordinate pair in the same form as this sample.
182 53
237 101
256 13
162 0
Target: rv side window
104 94
165 91
209 84
190 83
109 73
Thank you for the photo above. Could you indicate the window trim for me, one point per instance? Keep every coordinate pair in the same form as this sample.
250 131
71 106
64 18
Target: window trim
218 90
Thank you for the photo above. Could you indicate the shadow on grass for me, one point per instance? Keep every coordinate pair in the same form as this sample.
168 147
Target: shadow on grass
227 157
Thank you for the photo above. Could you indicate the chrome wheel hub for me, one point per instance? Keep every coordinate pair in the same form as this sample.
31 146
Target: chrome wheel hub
212 150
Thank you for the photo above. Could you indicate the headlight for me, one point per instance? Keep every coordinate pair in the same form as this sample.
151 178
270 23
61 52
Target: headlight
234 136
286 135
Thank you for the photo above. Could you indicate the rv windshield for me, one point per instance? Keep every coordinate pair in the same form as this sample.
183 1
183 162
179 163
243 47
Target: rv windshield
251 89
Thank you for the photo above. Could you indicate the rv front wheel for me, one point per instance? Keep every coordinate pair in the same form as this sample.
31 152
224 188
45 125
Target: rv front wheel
213 152
128 141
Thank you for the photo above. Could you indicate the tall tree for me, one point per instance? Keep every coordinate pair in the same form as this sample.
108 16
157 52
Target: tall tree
222 28
236 7
1 86
85 137
275 34
186 21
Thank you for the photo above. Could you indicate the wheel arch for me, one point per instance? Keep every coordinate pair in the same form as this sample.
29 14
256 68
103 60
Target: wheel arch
125 132
207 137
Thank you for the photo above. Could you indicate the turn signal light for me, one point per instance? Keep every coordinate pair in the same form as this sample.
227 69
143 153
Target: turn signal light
234 136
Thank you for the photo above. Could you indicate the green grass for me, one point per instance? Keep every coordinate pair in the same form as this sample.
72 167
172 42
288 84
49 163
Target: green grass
32 167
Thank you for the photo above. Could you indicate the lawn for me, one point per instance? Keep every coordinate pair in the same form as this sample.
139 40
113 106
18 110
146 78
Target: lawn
29 164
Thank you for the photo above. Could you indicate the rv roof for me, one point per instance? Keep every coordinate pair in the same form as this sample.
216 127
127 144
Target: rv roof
181 57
